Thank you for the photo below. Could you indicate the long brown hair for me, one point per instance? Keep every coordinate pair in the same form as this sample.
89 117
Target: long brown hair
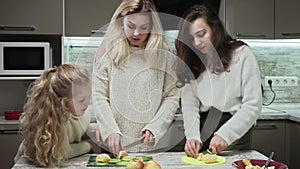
46 112
223 43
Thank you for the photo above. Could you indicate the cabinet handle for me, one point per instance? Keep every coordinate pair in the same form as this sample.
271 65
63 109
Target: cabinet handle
17 28
98 32
290 34
252 35
265 127
8 132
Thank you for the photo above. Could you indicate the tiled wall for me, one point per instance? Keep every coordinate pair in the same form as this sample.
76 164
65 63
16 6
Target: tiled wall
278 58
275 58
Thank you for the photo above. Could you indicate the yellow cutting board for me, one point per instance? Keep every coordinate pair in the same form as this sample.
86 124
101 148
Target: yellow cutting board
192 161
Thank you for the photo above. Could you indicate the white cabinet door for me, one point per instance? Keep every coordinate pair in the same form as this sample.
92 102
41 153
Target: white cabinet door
31 17
250 19
84 17
287 21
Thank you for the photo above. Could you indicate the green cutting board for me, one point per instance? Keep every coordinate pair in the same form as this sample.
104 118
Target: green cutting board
192 161
114 162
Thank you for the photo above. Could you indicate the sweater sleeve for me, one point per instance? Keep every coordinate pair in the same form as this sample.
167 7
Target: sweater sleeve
166 112
190 110
80 148
105 118
251 101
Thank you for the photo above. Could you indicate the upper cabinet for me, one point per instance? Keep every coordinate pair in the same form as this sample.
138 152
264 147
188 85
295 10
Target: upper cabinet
250 18
262 19
31 17
287 22
85 17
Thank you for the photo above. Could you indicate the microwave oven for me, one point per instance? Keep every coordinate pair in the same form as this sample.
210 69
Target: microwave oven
24 58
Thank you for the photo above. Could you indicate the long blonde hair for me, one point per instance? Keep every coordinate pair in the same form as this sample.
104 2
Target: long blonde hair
116 44
45 114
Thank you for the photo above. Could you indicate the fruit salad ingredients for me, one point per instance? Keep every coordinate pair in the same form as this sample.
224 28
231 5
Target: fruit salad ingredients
128 158
207 158
122 154
151 165
248 165
103 158
135 164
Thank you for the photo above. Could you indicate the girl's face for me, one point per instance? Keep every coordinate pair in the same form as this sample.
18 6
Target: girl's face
201 36
80 100
137 28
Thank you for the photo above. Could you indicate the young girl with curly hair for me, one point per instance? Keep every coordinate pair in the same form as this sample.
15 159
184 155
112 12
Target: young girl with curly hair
54 118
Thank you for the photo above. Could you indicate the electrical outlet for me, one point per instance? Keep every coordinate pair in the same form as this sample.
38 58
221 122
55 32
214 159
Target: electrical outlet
282 80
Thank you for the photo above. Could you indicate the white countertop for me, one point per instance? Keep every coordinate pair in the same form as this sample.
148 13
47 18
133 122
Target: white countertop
167 160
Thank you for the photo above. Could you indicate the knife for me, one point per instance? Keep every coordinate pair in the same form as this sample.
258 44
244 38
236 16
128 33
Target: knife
209 151
268 161
138 142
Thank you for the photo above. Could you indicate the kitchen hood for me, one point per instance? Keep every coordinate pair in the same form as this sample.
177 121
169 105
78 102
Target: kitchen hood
172 10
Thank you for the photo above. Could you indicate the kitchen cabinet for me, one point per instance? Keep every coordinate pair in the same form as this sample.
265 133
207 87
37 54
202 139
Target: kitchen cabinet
10 140
287 23
31 17
250 18
293 146
84 17
270 136
267 19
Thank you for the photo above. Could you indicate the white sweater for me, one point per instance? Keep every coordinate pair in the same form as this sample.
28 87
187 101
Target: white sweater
134 98
237 91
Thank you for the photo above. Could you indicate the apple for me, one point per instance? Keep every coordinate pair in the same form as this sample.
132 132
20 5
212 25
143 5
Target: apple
151 165
135 164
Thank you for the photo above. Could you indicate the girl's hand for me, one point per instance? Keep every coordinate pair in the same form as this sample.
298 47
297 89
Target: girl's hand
192 148
217 144
148 137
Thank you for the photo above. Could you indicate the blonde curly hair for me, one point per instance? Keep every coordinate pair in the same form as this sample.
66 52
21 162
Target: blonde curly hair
45 114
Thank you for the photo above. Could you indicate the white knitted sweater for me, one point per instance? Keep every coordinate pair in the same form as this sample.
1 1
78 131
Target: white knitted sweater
237 91
136 97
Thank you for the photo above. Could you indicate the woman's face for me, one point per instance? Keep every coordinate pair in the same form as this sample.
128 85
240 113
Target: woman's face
80 100
137 28
201 36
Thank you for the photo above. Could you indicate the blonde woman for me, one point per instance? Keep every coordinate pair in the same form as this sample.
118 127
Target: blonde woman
54 118
135 90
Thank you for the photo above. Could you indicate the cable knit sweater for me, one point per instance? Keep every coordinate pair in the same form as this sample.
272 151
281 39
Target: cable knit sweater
236 91
136 97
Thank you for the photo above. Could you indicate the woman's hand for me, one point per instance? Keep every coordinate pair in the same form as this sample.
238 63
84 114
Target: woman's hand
192 148
217 144
114 143
148 137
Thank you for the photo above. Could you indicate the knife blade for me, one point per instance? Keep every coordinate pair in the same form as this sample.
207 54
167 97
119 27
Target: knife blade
138 142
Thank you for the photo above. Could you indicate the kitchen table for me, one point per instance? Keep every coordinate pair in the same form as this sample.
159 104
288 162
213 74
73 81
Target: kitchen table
167 160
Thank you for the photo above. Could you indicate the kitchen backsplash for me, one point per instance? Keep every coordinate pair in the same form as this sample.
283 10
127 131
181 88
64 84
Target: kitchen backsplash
275 58
278 58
